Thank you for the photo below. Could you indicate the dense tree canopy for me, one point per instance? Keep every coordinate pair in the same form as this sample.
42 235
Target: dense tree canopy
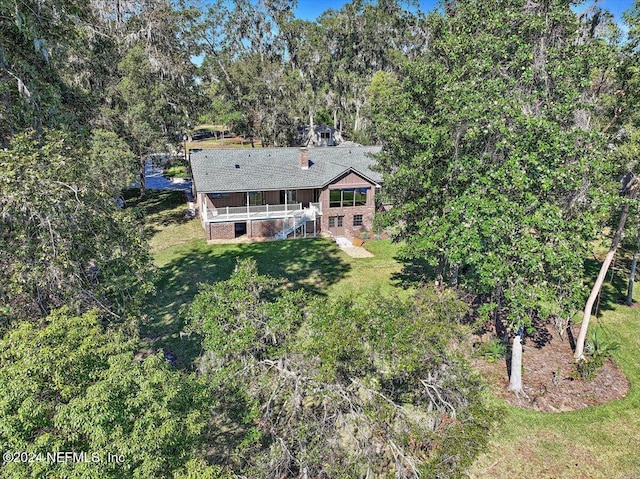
506 126
280 73
495 160
64 240
342 387
88 89
39 41
71 385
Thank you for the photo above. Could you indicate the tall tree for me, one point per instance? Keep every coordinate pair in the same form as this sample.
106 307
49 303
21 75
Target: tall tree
38 44
70 385
151 94
625 142
275 67
246 58
340 388
64 241
494 155
363 38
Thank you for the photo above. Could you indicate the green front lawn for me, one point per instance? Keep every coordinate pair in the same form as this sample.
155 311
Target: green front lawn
184 259
597 442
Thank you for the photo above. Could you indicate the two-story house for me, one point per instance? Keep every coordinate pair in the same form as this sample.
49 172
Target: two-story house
285 192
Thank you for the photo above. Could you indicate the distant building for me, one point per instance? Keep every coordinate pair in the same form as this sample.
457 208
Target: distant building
319 135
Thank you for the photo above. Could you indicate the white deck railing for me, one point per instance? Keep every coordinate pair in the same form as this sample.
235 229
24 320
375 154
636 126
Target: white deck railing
292 223
239 213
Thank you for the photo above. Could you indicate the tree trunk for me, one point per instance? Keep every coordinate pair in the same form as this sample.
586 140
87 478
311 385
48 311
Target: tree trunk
453 282
142 177
632 275
356 121
515 379
579 354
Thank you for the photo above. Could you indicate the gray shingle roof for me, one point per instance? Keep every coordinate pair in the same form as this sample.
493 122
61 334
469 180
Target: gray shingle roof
215 171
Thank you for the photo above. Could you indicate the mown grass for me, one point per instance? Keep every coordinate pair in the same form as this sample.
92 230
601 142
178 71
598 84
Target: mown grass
183 259
176 171
596 442
230 142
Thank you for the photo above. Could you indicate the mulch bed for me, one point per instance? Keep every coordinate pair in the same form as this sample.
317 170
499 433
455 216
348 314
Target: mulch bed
549 377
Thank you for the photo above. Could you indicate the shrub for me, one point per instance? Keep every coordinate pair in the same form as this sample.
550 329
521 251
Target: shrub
342 387
596 351
493 350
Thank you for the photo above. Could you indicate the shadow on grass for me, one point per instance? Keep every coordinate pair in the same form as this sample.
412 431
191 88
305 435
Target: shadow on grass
160 208
414 271
614 288
312 264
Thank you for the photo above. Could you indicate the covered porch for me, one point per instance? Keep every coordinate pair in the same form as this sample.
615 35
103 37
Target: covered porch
243 213
260 214
252 205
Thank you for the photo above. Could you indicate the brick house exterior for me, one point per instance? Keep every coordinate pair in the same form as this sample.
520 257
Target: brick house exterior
356 217
285 192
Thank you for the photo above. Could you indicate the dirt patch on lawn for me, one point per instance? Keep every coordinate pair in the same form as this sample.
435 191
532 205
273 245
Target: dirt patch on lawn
549 377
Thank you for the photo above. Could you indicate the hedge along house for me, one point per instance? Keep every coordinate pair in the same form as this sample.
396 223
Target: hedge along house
285 192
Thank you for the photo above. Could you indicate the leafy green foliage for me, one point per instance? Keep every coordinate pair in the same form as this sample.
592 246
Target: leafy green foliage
495 161
146 108
146 412
277 72
198 469
341 388
64 239
236 320
493 350
37 44
71 385
596 350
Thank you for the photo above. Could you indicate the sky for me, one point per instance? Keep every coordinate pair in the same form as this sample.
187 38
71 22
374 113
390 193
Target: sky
311 9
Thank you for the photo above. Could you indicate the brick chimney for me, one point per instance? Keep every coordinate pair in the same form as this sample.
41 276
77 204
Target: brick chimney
303 158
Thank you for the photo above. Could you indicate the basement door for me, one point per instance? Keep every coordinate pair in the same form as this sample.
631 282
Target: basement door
336 225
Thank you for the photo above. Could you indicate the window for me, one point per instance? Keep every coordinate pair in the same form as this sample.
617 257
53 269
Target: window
332 221
291 196
255 198
347 197
216 196
340 221
335 198
325 135
357 220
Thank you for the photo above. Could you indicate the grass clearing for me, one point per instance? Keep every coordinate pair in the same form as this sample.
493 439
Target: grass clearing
597 442
184 259
177 171
229 142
